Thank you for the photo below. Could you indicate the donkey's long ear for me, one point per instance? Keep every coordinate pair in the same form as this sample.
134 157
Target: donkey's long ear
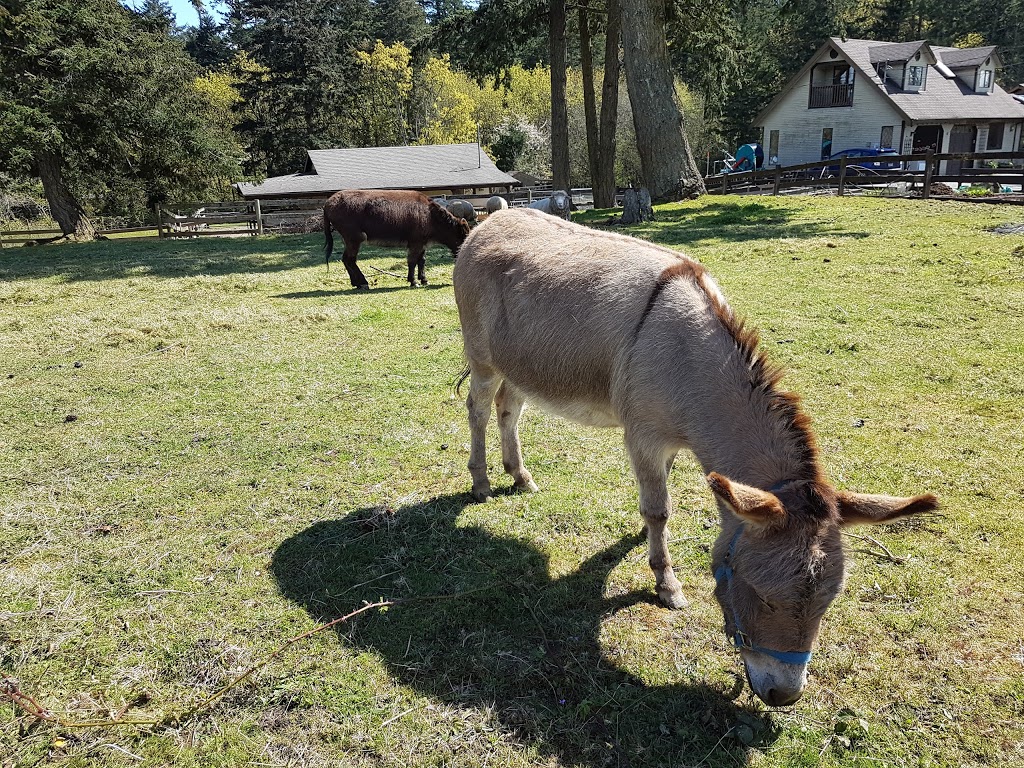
757 507
865 508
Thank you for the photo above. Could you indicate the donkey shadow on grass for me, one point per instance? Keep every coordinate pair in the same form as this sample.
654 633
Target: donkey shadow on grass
517 641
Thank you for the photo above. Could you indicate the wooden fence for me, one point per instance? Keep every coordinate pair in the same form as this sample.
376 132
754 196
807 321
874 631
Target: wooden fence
241 218
846 173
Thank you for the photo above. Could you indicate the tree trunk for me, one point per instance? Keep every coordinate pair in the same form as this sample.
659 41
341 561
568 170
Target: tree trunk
665 158
636 206
604 177
559 109
63 207
589 100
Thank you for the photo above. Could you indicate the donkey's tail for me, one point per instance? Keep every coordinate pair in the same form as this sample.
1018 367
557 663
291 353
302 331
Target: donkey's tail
328 240
461 380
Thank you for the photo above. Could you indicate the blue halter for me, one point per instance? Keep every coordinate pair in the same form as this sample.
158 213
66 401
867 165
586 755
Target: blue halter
724 574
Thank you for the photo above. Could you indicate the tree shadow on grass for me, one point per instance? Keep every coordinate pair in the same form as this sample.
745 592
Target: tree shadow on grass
518 642
734 222
119 259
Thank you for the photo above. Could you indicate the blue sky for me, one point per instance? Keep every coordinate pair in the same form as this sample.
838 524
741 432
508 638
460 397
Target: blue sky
185 12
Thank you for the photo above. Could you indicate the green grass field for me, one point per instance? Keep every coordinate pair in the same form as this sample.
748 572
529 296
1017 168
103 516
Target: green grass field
209 447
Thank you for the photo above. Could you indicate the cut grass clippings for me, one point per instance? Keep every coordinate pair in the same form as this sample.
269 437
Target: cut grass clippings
210 447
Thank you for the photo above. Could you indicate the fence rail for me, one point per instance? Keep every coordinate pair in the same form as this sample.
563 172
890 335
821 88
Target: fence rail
226 218
913 169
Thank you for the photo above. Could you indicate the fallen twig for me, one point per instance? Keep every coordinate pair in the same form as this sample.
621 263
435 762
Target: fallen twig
384 272
872 540
11 688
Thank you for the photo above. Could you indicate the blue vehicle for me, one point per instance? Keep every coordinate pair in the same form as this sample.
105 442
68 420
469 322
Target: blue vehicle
871 165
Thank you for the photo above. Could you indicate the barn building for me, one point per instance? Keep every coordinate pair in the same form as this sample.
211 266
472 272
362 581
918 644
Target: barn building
440 169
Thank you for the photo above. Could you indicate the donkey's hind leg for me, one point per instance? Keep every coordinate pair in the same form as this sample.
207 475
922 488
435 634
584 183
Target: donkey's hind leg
652 474
509 402
483 383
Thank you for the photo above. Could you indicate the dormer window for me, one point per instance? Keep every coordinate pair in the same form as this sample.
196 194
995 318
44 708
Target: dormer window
915 77
984 79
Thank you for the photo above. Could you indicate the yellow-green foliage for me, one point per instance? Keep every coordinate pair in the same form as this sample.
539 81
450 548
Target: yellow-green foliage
385 85
219 92
448 106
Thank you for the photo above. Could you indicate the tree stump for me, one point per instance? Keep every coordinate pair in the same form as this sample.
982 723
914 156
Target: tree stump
636 206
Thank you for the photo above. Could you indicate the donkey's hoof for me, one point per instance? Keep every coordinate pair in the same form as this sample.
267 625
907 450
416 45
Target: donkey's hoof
526 487
482 494
363 287
672 598
423 282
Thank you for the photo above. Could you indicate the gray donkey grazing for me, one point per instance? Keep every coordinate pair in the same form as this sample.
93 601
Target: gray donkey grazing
616 332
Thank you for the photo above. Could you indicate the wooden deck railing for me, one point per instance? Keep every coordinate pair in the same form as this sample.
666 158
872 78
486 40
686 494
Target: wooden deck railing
915 170
831 96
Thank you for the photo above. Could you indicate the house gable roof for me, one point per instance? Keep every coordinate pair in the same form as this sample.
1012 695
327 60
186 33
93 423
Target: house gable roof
961 58
421 167
894 51
944 98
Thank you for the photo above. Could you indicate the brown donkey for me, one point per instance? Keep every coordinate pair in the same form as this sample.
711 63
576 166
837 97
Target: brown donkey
615 332
391 217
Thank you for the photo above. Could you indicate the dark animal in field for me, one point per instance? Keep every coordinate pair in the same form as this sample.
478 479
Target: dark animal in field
558 204
616 332
462 209
496 203
392 218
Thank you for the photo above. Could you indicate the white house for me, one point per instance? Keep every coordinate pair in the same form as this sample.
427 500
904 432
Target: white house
910 97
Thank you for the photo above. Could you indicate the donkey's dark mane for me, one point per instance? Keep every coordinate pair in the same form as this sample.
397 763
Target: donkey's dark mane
764 374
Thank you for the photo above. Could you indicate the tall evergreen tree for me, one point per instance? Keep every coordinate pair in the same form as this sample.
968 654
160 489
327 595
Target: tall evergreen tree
665 157
92 101
208 42
305 95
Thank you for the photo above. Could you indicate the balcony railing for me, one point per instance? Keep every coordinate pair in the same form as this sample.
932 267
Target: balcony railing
831 96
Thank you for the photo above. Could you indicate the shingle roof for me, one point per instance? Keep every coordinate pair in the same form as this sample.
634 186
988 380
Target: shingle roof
893 51
439 166
957 58
943 98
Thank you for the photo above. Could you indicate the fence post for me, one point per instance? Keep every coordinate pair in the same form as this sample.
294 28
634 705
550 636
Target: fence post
778 180
842 175
928 162
259 218
725 183
159 220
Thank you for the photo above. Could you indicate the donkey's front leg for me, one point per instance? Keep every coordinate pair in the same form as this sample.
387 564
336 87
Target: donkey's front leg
655 505
483 383
509 402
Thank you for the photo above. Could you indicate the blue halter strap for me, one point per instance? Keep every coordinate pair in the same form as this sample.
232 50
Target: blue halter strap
723 574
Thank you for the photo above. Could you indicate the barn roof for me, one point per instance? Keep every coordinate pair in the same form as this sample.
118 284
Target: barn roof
421 167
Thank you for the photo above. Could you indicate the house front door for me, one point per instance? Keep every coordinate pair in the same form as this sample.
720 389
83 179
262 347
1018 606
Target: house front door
963 138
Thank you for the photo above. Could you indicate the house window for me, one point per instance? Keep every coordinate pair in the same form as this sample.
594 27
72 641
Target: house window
773 148
995 136
915 76
885 142
984 79
826 143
